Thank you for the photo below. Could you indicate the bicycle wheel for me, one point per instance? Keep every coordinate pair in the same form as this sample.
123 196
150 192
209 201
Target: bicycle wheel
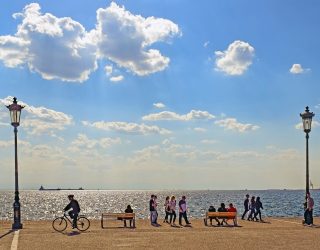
59 224
83 223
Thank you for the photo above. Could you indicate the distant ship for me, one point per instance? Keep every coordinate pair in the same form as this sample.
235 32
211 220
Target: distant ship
58 189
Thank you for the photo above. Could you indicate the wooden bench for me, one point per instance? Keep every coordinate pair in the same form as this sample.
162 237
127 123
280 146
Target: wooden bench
118 216
221 215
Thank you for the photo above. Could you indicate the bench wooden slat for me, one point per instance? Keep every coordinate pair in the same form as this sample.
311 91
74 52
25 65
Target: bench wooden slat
121 216
222 214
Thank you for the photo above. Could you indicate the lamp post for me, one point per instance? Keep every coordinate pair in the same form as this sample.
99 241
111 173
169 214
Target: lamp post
307 120
15 112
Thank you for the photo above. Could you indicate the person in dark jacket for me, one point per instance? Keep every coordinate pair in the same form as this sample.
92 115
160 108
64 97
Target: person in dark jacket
128 210
252 208
258 209
212 209
246 206
222 208
74 205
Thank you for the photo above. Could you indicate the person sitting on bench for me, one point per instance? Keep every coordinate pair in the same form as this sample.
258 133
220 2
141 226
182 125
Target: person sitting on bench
222 208
212 209
128 210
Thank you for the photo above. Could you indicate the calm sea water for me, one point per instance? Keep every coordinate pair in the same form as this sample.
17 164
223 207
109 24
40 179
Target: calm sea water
45 205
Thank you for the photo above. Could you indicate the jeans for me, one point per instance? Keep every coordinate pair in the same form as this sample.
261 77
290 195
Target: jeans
245 211
173 216
184 215
153 217
73 215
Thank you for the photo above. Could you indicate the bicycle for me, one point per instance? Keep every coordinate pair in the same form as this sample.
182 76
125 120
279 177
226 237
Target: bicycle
60 223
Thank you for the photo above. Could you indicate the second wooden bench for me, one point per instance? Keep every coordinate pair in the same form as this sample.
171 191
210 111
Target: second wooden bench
118 216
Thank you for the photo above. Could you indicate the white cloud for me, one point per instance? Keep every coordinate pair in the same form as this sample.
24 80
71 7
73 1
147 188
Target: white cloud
61 48
116 78
208 141
125 39
83 141
108 69
130 128
200 129
236 59
233 124
159 105
41 120
297 69
56 48
5 144
206 44
168 115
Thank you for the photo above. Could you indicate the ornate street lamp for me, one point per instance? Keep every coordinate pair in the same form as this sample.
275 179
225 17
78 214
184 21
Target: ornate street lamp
307 120
15 112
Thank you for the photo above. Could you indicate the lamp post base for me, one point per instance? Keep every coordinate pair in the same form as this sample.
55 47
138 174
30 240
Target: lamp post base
16 226
16 213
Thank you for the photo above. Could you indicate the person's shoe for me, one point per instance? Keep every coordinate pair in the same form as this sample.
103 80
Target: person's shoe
180 224
242 218
188 223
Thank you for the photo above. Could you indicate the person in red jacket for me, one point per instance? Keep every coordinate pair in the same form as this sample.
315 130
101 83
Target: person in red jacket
231 208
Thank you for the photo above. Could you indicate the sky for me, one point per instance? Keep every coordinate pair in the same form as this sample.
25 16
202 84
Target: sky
166 94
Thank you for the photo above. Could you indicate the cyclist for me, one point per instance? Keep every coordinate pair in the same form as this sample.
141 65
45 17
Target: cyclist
74 205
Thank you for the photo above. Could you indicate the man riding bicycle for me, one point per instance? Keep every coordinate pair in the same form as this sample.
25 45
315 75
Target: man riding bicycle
74 205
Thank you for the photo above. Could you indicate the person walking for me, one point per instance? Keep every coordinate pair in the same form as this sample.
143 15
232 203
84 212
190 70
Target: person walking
183 211
258 209
152 210
252 208
173 215
155 204
309 210
246 206
167 209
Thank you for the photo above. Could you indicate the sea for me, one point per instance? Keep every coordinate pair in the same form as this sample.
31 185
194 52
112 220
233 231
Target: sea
46 205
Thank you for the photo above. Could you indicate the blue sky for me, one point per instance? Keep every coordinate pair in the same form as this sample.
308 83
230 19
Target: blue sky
160 94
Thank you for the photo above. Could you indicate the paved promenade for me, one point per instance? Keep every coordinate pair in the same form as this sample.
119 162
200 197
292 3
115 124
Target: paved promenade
276 233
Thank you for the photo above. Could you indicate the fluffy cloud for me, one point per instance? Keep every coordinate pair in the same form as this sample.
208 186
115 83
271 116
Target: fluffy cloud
51 46
233 124
83 141
202 130
159 105
236 59
125 127
108 69
208 141
168 115
125 38
297 69
116 78
41 120
61 48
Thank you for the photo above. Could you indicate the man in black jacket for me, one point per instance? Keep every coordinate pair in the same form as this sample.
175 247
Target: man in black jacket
74 205
246 206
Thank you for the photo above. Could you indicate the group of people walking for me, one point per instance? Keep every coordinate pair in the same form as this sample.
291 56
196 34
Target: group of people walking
253 207
170 207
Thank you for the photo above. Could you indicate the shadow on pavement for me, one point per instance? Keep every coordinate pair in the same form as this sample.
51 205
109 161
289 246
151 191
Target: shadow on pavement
9 232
